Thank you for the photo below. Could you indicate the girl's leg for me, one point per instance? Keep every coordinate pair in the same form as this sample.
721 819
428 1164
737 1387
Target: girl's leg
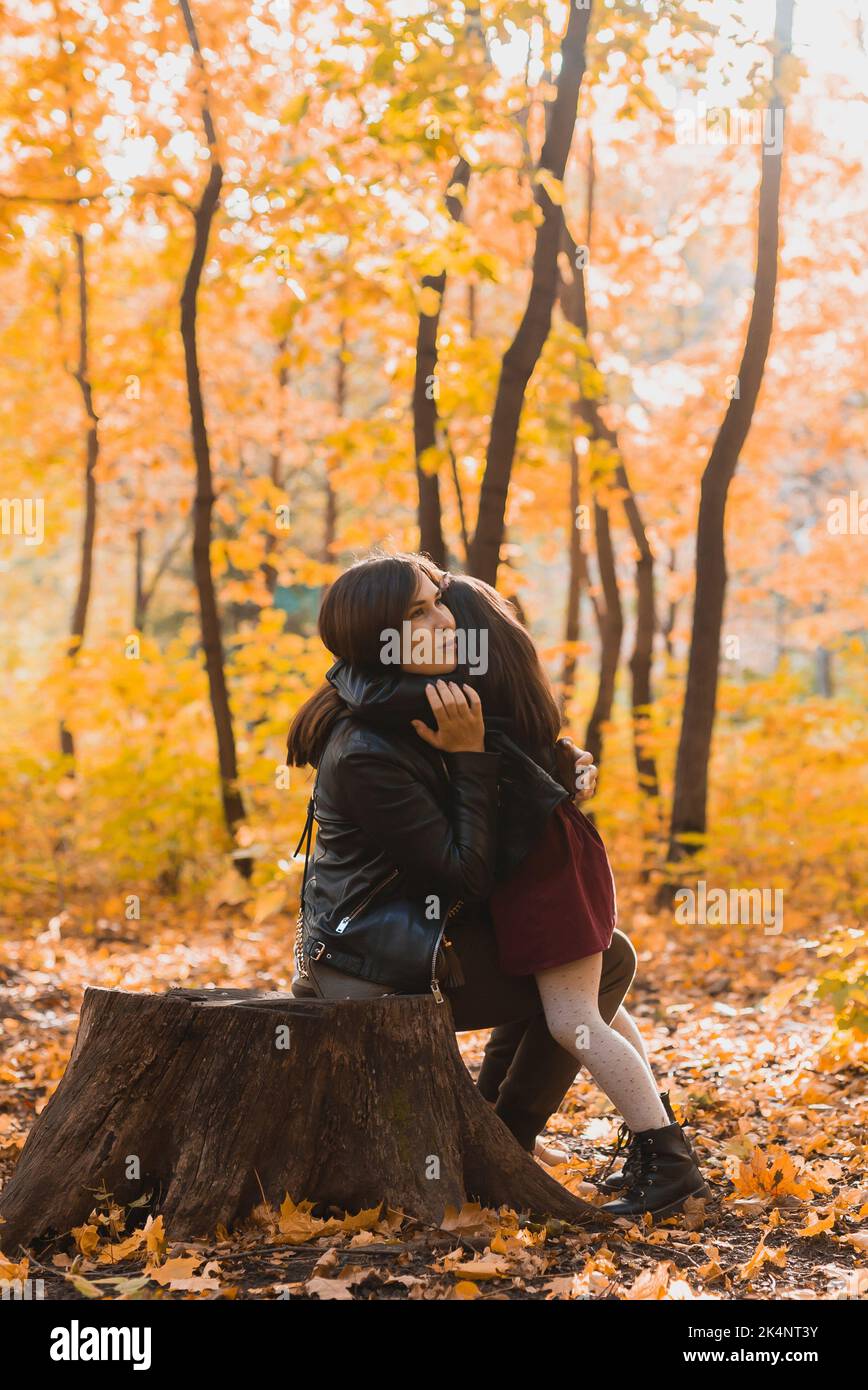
624 1024
569 995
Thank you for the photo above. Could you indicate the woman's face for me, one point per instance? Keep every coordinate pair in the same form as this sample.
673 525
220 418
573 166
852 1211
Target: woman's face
429 630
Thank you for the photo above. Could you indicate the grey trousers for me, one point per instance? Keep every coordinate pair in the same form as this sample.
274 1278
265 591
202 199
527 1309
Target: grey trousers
525 1073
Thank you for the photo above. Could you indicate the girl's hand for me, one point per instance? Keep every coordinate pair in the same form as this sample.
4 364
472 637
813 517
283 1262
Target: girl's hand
460 727
577 770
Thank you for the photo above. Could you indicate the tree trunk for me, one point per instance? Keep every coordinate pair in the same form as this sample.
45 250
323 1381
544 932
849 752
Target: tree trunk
431 540
572 623
668 626
824 677
577 576
689 811
643 653
145 592
275 471
85 574
471 310
139 602
824 683
574 307
523 353
459 498
204 1102
574 303
212 640
331 498
611 630
330 525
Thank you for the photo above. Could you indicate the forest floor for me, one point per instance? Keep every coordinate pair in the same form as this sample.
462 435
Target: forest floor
774 1097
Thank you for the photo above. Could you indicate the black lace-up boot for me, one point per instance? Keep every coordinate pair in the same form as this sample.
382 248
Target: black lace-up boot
665 1175
618 1182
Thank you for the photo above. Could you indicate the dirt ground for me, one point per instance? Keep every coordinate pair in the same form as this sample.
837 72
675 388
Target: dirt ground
773 1095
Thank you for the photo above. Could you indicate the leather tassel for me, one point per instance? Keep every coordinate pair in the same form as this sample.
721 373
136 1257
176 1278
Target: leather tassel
450 971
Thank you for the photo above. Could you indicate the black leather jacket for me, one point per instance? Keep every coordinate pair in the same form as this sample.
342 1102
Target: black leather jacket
528 786
408 836
405 834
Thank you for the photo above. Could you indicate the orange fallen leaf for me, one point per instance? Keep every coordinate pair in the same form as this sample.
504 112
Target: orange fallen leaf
86 1238
482 1269
652 1283
772 1172
155 1237
466 1289
762 1256
10 1272
472 1219
328 1289
181 1267
815 1225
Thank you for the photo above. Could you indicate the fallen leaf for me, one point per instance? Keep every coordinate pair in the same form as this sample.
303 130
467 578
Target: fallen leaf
466 1289
472 1219
86 1238
815 1226
328 1289
762 1256
180 1268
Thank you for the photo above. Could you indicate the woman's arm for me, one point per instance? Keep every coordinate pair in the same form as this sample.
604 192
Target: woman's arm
450 853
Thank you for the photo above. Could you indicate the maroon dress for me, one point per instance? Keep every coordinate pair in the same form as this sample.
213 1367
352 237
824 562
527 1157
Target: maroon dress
560 904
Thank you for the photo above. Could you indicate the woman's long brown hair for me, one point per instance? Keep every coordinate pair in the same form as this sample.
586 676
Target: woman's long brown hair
370 596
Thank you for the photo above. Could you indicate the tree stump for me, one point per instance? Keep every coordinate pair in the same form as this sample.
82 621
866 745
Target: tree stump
211 1099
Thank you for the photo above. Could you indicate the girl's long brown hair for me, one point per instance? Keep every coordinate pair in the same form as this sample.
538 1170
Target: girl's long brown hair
515 684
370 596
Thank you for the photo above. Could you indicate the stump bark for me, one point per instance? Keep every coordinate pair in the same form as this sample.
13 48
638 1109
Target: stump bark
211 1099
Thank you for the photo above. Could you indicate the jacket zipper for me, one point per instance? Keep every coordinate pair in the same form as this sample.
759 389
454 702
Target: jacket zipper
345 921
435 983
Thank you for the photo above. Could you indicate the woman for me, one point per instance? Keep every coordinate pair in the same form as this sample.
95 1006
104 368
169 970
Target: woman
406 841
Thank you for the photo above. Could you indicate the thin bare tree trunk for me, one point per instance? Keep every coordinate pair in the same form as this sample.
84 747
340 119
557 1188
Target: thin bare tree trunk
824 670
575 309
689 811
331 497
523 353
668 627
611 620
145 592
609 614
574 303
431 539
275 471
472 310
459 497
577 573
331 523
85 574
212 639
139 597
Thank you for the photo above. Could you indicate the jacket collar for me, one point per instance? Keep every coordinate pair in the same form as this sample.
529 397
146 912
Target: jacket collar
385 696
392 699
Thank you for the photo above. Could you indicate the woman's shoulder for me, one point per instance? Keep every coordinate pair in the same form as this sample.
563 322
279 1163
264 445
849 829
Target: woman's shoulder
354 741
361 765
351 733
